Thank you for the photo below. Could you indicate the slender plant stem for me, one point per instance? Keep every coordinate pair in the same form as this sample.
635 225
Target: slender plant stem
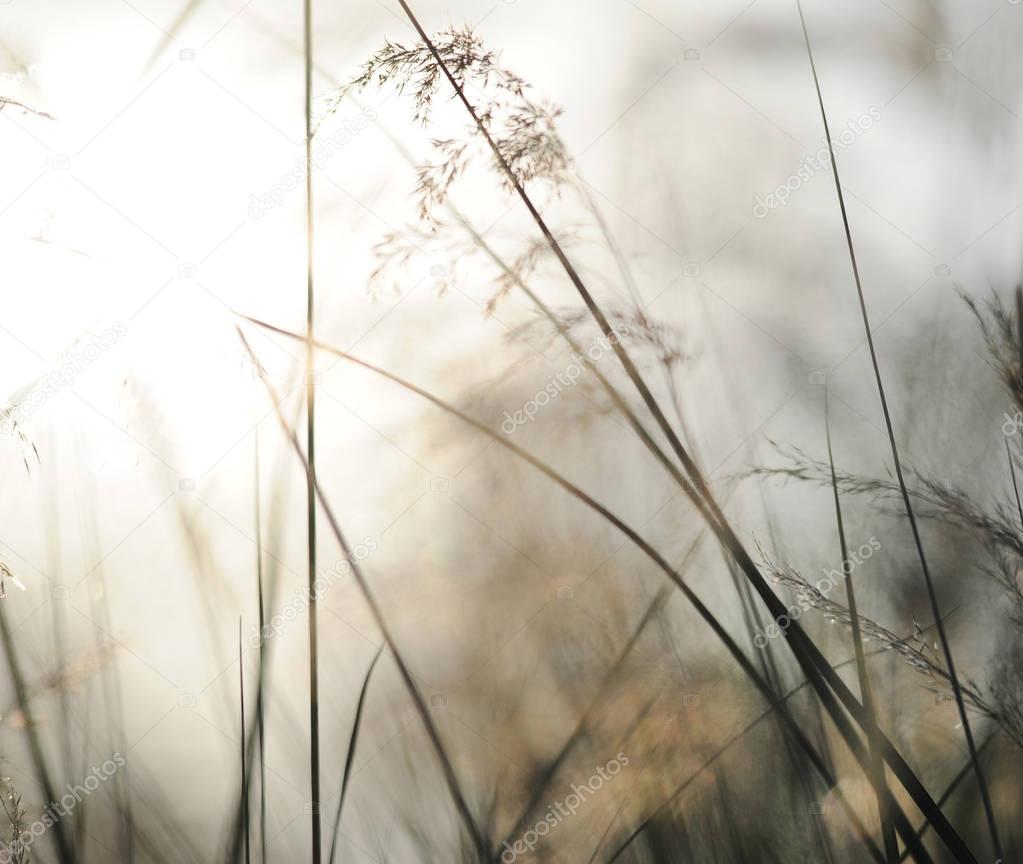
1019 321
241 715
279 504
353 741
931 593
310 390
1015 486
4 102
883 795
260 713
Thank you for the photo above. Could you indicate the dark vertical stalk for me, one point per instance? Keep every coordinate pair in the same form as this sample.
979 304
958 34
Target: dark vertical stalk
891 843
932 597
310 391
1015 486
272 582
260 718
241 720
1019 322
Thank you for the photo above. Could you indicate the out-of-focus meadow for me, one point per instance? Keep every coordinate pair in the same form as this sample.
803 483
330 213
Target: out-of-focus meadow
154 239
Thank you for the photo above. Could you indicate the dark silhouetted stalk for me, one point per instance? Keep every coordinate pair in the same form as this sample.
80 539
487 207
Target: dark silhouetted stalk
278 506
260 710
310 390
1015 486
241 720
883 795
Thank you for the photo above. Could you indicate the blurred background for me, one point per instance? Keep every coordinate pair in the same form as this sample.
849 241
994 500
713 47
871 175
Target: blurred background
153 189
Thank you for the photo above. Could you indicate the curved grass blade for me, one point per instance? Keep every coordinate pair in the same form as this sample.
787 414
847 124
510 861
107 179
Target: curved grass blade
353 740
260 708
246 827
